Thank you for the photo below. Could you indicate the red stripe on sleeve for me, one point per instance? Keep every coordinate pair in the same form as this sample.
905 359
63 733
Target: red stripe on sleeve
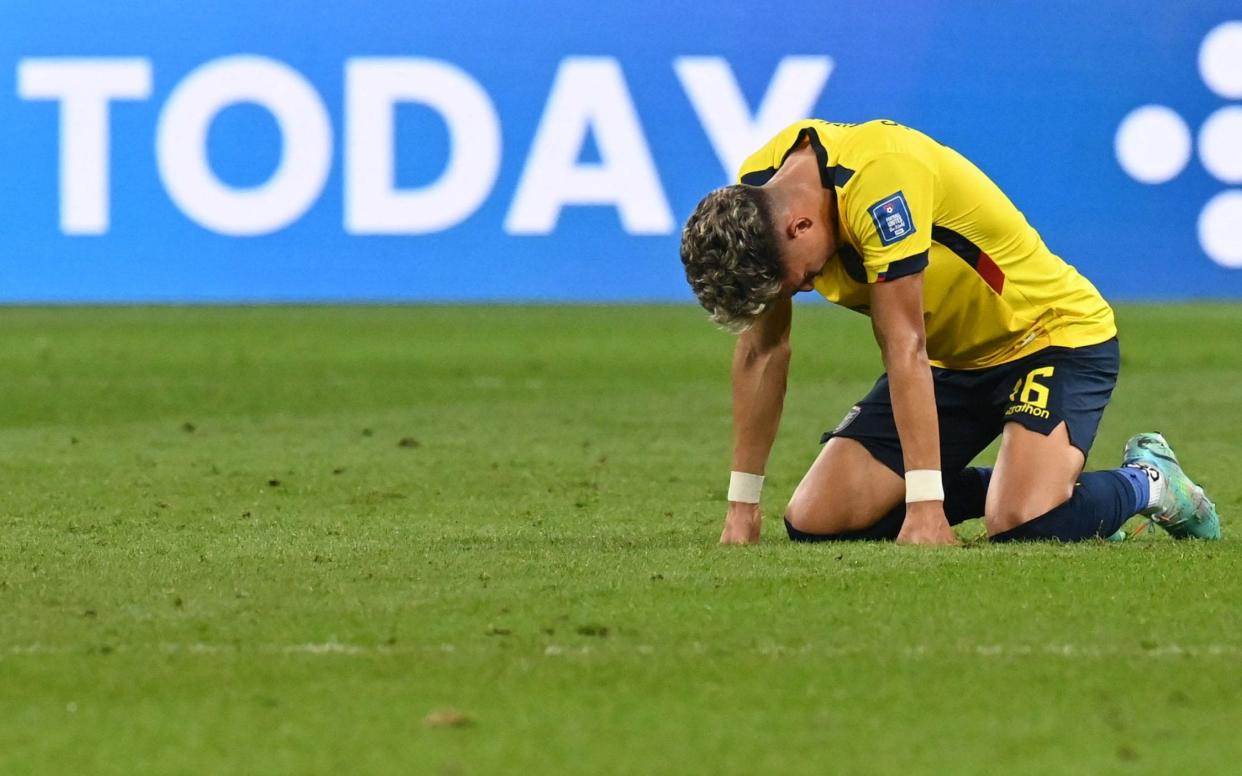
991 274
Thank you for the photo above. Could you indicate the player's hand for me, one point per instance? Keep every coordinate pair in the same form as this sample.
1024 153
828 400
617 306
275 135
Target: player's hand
926 524
742 524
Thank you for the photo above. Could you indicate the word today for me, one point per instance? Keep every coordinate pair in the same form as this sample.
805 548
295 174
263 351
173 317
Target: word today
589 100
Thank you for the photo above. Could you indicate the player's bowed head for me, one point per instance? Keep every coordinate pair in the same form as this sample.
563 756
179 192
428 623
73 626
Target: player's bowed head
745 246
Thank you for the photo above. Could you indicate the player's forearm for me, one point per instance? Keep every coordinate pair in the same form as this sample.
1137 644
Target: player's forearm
759 378
914 403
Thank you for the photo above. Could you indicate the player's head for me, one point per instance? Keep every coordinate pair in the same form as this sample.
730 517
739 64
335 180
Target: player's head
745 246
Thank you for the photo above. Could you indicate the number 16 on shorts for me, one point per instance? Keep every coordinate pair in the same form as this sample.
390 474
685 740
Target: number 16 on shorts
1030 394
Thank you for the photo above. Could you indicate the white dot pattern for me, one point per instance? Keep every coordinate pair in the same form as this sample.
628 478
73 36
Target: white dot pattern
1220 60
1220 229
1153 144
1220 144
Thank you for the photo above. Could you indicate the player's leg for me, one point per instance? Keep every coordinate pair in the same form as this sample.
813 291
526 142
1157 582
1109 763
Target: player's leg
846 491
815 515
855 489
1097 504
1034 473
1053 411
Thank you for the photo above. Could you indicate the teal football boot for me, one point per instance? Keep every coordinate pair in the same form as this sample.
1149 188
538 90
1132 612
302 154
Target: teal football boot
1184 509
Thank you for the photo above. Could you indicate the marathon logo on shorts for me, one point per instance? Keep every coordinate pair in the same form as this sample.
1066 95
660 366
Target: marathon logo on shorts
892 219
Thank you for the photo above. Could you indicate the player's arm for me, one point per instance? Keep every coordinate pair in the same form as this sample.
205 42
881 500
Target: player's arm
889 209
760 369
897 318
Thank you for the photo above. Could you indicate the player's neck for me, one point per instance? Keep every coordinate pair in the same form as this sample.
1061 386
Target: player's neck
801 167
797 184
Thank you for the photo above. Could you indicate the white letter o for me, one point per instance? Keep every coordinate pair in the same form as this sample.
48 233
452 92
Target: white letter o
306 148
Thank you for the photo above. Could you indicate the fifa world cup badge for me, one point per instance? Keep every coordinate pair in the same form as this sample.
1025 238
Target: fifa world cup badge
892 218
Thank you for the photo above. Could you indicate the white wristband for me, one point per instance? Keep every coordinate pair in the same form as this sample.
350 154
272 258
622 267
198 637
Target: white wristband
745 487
924 485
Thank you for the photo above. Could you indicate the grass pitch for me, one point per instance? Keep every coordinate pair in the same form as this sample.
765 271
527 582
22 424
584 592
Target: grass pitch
483 540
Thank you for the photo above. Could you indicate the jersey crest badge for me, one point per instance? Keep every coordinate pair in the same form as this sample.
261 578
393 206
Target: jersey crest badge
892 219
849 418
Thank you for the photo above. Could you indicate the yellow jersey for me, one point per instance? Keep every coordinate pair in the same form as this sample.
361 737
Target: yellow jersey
992 291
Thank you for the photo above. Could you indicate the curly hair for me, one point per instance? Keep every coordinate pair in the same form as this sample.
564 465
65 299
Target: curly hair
729 251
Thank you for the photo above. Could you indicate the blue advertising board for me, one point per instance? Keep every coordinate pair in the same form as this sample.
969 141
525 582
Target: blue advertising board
392 150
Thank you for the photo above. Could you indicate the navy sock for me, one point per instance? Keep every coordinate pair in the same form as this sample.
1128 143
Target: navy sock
1102 503
964 495
1141 482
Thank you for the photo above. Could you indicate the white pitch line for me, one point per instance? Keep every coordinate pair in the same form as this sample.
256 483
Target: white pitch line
553 650
330 647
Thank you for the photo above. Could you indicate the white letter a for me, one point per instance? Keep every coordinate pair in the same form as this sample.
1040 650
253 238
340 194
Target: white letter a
589 95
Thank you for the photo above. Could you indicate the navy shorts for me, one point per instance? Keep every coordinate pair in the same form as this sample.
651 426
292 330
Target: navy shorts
1039 391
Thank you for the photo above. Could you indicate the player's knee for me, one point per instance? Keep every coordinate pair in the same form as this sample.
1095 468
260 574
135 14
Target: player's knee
796 517
801 520
814 520
809 515
804 524
1004 517
1010 511
797 535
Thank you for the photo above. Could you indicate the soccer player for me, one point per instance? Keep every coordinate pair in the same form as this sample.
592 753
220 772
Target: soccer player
982 329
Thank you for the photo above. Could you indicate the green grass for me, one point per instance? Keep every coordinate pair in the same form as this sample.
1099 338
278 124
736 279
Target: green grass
218 555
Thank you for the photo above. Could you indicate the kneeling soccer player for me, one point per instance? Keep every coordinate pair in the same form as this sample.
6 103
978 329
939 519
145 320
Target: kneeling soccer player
983 331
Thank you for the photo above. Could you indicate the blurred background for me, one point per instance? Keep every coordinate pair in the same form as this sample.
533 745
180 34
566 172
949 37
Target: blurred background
492 151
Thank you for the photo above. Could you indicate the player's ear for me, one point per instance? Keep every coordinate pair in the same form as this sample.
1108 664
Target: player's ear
799 225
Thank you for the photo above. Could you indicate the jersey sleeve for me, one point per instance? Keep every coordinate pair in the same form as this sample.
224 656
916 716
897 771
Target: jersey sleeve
888 208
